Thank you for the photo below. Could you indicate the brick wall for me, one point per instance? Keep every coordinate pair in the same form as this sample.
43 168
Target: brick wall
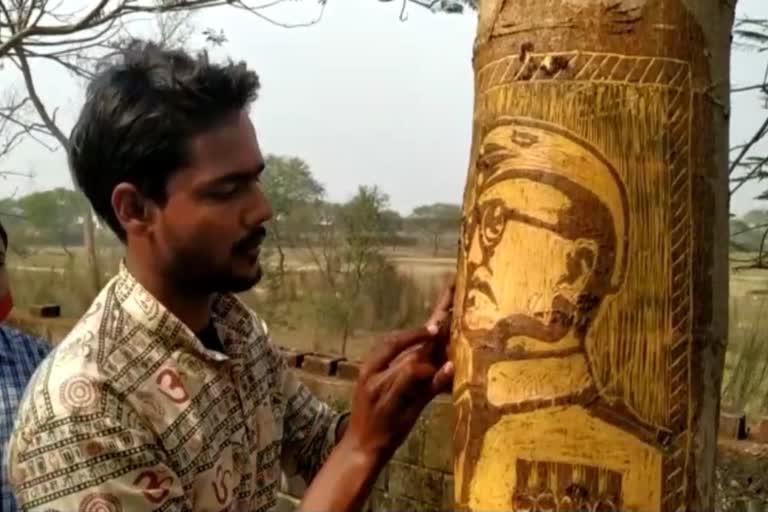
419 477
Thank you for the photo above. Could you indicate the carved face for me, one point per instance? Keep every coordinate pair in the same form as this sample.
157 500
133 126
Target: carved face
540 247
543 271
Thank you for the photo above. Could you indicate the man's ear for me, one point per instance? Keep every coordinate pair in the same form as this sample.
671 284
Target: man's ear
581 261
134 212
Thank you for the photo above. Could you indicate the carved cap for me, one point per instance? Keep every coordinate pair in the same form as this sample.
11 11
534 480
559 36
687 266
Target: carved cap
517 148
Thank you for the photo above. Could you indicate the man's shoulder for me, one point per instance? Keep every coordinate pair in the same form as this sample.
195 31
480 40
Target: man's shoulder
67 382
82 369
73 410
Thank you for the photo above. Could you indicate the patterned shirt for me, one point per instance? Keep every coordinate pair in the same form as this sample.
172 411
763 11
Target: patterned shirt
132 413
20 354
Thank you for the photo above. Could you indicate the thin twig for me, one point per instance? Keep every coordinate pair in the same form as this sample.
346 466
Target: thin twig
754 140
753 173
763 87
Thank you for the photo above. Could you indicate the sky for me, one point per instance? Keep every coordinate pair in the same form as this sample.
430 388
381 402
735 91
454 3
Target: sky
363 97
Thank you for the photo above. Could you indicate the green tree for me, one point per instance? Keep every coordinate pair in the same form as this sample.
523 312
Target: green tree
345 247
293 193
435 220
392 221
55 215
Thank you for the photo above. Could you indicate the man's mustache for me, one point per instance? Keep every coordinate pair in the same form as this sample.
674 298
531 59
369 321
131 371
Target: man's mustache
254 239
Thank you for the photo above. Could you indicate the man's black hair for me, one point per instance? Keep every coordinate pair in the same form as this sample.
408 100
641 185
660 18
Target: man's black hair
140 114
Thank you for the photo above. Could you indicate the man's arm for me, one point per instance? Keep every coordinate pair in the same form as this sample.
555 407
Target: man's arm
395 384
312 428
400 377
88 460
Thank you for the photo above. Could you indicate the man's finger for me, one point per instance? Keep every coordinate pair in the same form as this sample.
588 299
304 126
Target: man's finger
410 351
442 308
394 346
442 382
409 384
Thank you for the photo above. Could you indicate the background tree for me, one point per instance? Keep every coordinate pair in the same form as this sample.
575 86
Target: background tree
56 216
292 191
435 220
345 246
748 162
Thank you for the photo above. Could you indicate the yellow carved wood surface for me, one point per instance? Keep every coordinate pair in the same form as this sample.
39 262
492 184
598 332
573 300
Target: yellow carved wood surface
575 318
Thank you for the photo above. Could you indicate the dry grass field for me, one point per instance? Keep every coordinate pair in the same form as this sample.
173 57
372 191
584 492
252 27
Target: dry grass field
298 308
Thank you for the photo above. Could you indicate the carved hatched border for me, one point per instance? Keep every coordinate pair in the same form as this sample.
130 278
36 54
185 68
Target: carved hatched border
585 67
675 77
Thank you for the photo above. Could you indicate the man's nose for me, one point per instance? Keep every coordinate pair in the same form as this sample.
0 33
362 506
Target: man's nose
259 210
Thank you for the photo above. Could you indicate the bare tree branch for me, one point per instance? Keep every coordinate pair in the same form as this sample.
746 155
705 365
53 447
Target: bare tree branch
757 137
757 87
48 120
755 172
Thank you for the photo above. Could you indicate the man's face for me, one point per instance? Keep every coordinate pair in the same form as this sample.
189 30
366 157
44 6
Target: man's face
210 229
523 277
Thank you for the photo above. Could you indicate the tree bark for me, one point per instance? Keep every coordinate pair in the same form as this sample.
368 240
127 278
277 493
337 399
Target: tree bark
590 312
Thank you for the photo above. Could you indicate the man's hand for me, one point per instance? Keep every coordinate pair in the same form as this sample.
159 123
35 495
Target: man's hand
440 320
400 378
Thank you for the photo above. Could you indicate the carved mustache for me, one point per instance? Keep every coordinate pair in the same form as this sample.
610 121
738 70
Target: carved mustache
478 285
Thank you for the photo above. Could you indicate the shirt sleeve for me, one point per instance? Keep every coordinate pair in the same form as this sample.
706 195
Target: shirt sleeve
99 458
311 427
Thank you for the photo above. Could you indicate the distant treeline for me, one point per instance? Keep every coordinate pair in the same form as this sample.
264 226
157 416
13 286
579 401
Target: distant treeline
749 233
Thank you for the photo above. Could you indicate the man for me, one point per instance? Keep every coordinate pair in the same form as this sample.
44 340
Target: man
20 354
564 218
168 395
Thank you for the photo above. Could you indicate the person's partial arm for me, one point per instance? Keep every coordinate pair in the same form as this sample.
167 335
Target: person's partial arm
399 379
101 459
394 386
312 428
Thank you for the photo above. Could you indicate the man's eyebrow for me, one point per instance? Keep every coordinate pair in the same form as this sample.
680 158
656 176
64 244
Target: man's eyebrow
241 175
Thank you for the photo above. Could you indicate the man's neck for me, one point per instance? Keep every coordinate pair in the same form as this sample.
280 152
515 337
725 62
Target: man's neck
192 310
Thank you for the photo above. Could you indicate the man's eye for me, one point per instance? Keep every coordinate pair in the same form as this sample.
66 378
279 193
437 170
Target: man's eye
225 191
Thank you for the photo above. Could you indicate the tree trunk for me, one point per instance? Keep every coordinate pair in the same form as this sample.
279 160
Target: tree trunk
89 243
591 304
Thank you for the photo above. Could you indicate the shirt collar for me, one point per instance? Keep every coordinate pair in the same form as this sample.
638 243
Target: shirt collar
232 319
